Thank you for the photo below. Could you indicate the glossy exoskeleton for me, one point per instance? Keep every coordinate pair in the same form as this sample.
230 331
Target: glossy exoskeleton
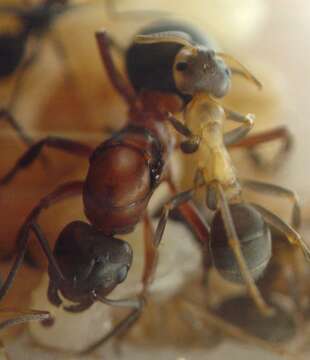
149 66
88 262
255 241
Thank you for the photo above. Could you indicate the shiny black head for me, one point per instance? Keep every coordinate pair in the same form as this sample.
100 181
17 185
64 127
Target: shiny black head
166 66
254 237
90 261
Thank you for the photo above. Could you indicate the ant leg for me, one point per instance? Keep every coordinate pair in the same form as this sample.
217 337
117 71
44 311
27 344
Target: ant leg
278 133
188 146
173 203
276 190
234 243
292 235
9 118
234 331
117 80
137 304
193 218
62 192
150 253
31 154
19 317
239 133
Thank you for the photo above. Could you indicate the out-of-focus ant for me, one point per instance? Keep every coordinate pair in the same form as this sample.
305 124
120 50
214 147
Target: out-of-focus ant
240 241
35 22
88 262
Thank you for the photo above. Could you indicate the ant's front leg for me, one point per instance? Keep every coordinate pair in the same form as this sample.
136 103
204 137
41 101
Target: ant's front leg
240 132
31 154
192 143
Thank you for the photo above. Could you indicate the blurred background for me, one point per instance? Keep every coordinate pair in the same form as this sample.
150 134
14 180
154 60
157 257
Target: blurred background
270 37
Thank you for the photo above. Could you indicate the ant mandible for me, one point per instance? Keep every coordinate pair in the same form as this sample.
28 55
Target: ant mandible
36 21
240 241
88 262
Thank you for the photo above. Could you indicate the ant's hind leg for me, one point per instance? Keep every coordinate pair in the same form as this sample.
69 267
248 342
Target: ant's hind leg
276 190
234 243
32 153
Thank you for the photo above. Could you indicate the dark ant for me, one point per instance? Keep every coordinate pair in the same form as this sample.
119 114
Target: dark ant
88 262
240 242
184 62
36 21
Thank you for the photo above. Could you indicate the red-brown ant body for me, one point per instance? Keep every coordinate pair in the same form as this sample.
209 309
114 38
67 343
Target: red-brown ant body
88 262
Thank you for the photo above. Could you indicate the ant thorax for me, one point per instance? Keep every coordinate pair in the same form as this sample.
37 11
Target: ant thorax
204 117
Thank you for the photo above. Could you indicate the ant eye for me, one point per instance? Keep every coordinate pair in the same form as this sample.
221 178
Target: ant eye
122 274
181 66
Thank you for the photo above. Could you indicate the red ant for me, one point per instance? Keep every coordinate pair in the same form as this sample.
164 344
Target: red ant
88 262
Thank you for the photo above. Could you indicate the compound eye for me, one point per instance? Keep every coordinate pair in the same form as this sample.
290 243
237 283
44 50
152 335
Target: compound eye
122 274
182 66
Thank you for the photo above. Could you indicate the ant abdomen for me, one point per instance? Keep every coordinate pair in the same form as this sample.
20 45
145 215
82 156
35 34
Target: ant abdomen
122 175
89 261
255 240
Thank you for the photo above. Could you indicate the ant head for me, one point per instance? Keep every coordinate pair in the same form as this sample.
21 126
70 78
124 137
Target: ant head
255 241
89 260
198 69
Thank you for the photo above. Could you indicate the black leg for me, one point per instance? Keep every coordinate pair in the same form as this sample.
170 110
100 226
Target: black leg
30 155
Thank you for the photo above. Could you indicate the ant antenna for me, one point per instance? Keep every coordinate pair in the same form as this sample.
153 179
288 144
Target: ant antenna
241 69
178 37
